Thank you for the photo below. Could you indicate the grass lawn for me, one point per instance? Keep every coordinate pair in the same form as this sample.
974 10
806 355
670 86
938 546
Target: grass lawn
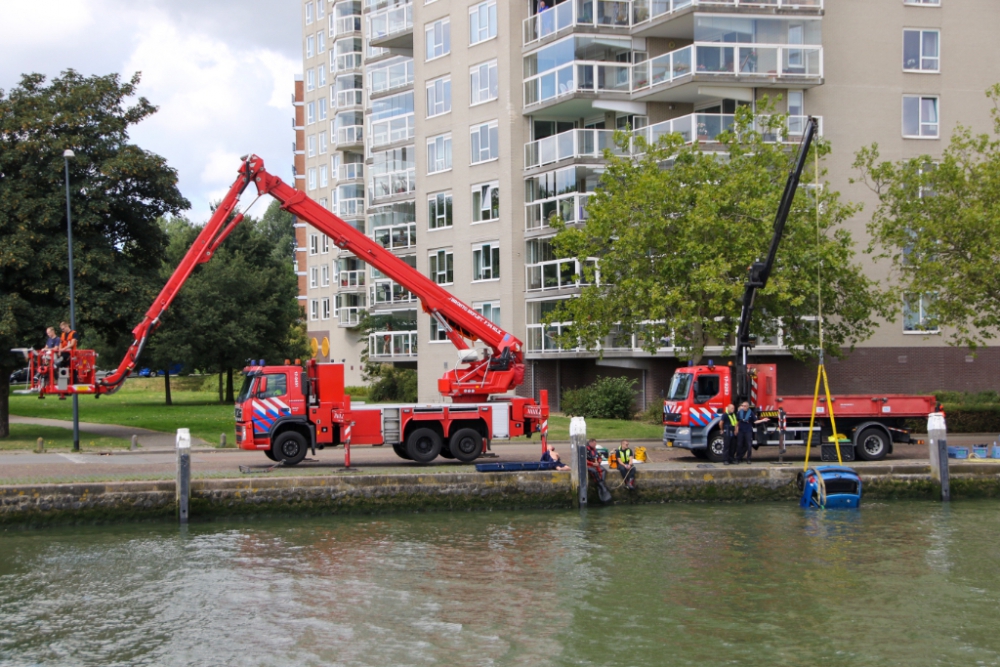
606 430
25 436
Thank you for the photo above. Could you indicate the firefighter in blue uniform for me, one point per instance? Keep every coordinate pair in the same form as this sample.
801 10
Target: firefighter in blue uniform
746 419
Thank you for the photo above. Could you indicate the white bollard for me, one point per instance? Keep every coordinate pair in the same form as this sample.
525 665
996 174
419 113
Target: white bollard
578 459
183 473
937 433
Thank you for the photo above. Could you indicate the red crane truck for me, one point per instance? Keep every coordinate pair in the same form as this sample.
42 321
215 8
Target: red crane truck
698 394
286 410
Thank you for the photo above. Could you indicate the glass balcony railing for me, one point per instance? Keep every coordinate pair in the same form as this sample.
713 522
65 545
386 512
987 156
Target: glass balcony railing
586 13
392 21
647 10
392 130
543 338
577 76
396 237
569 145
354 97
344 25
350 316
554 274
386 292
708 127
351 172
352 134
351 279
750 60
392 344
393 183
390 77
345 62
352 207
570 207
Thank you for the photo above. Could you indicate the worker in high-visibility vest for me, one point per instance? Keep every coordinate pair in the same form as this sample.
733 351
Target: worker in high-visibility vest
730 425
626 464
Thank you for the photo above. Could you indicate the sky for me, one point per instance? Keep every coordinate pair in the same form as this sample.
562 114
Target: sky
220 71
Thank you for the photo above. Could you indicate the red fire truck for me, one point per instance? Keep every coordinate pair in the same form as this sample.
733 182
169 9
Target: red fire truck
286 410
698 394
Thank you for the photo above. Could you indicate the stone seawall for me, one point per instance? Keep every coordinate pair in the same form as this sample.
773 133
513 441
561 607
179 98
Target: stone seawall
359 494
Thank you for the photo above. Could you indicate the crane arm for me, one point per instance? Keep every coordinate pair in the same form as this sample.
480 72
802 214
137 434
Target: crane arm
760 271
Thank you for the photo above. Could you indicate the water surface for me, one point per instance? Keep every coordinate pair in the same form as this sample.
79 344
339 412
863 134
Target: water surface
769 584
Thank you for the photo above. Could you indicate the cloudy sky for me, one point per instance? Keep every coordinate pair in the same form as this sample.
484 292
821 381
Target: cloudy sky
220 71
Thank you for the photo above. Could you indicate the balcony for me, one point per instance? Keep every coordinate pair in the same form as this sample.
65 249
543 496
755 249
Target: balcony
393 184
660 18
350 316
345 62
564 83
393 28
394 76
570 207
554 274
388 345
706 127
677 76
351 135
352 208
587 14
392 131
345 26
541 340
352 97
571 145
353 171
396 237
351 280
386 292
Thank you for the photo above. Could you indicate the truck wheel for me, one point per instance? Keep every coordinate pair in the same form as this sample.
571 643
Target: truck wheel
446 452
716 449
699 453
269 453
400 449
423 445
873 444
290 448
466 445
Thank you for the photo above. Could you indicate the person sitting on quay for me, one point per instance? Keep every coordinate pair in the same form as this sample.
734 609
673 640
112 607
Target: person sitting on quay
552 456
626 466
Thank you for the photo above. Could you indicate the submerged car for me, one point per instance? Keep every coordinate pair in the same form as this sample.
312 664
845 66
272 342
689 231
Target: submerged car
830 487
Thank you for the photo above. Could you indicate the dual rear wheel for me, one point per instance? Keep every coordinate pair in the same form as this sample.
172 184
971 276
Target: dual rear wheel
425 444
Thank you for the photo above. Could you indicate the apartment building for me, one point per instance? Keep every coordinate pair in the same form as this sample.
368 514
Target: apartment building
452 131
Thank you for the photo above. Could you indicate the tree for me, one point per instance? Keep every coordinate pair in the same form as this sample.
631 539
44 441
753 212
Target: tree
671 230
118 192
936 222
387 382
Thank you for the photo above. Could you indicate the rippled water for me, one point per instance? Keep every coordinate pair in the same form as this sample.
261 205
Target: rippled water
893 584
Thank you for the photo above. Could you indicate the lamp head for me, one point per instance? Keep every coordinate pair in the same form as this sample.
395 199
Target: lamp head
68 153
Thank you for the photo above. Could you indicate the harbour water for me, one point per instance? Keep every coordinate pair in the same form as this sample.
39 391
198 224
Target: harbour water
899 583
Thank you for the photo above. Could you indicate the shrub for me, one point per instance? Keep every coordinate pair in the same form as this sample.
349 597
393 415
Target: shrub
964 419
394 384
608 398
357 391
653 413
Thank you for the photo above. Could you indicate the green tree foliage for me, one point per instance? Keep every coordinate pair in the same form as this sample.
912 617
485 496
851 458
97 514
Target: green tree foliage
675 229
607 398
394 384
936 222
118 192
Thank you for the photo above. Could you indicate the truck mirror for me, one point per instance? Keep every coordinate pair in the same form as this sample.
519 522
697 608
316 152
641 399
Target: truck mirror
262 386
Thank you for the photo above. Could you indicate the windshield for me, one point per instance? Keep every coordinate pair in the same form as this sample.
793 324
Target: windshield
679 387
245 389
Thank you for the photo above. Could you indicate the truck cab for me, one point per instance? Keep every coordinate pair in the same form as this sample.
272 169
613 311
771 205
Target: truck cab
273 399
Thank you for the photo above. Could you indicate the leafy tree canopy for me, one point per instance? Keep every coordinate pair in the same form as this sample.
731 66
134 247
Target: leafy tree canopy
937 223
674 228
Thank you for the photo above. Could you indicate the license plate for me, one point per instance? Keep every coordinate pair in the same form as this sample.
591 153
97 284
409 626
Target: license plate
670 443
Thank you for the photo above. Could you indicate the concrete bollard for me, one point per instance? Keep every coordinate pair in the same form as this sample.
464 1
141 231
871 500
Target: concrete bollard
40 446
578 460
937 433
222 441
135 443
183 473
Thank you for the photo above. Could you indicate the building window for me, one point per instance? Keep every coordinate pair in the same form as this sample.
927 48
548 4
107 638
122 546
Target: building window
439 210
313 277
326 275
309 13
326 309
323 176
325 246
314 309
310 113
322 143
310 80
321 76
486 202
320 43
310 46
439 153
313 244
485 142
438 39
922 50
322 108
486 261
439 96
322 202
312 178
918 313
311 145
437 332
482 21
442 267
927 3
920 117
488 309
484 82
320 11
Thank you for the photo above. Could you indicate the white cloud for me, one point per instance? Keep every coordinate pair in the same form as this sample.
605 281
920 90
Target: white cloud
60 22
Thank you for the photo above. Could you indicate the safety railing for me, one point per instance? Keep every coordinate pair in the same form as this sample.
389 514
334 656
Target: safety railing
392 344
353 97
350 316
351 171
569 145
351 134
390 77
647 10
344 25
352 207
392 21
585 13
392 130
393 184
708 127
554 274
396 237
386 292
570 207
577 76
345 62
351 279
544 338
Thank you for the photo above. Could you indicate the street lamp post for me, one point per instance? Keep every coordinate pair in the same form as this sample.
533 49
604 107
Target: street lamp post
67 154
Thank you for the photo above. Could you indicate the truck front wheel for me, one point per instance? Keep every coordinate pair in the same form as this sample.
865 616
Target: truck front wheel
400 449
716 446
290 448
873 444
423 445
